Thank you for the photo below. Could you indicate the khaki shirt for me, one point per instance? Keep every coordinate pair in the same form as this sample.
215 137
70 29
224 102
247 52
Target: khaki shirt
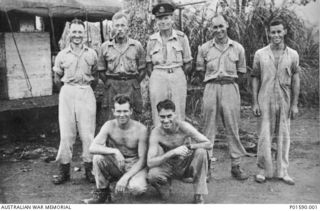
76 69
265 69
217 63
173 54
115 61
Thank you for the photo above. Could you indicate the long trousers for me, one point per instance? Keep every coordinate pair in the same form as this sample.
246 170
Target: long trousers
223 100
106 170
195 165
77 111
165 84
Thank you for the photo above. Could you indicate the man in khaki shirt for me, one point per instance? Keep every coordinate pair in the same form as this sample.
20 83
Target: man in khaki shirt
222 59
121 65
168 62
75 66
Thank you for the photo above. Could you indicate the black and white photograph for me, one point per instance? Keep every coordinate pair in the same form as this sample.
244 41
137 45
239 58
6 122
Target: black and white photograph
159 102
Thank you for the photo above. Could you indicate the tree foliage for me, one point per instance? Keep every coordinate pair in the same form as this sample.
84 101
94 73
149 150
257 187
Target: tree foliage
248 24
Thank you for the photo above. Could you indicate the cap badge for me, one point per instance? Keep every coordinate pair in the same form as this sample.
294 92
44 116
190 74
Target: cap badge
161 9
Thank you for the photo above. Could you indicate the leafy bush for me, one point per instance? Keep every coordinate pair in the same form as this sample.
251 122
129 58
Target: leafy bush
249 26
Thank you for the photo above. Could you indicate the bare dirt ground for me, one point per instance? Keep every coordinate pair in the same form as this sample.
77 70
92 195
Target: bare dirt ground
26 178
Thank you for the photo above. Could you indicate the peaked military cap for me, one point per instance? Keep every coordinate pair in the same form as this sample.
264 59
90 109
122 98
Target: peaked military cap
163 8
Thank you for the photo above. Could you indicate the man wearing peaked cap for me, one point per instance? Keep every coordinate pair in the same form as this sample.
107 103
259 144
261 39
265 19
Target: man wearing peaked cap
163 8
168 60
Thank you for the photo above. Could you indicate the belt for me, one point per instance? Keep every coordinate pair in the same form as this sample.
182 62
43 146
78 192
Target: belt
223 80
122 77
168 70
78 85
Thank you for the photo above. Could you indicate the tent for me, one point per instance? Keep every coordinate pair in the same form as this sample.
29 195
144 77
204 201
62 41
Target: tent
91 10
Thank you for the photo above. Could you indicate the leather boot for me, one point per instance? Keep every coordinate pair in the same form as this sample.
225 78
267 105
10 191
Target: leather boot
88 172
238 173
99 196
64 174
198 199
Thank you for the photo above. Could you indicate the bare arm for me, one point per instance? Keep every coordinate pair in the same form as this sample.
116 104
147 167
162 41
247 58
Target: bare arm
202 141
187 68
103 76
256 84
295 95
255 90
98 144
154 159
122 184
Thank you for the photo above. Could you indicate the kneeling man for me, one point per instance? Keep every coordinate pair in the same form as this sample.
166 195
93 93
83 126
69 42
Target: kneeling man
120 151
171 154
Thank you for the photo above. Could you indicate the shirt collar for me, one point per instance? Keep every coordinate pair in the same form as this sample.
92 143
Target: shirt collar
285 49
230 42
130 42
173 36
69 49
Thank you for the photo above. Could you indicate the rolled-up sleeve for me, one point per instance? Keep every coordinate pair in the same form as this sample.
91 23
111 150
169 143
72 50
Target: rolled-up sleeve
141 57
241 65
256 69
200 64
101 63
57 68
187 57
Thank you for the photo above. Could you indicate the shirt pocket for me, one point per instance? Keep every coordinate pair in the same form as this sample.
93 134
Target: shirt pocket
156 55
212 64
131 62
177 50
231 63
66 62
89 64
286 75
111 62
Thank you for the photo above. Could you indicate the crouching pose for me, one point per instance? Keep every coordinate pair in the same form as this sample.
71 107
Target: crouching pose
172 154
120 151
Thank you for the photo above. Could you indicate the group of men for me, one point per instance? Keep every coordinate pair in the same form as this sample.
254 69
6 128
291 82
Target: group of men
123 152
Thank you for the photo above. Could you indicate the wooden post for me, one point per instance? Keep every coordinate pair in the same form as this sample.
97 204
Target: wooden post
180 18
101 31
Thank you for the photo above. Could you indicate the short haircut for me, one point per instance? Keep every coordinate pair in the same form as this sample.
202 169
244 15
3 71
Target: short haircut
166 104
77 21
216 16
122 99
120 15
277 22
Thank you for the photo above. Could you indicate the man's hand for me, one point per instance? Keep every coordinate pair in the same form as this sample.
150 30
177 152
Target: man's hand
121 185
120 159
293 111
181 151
256 109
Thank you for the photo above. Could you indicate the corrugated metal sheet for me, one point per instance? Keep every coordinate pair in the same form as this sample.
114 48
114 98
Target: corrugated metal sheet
93 10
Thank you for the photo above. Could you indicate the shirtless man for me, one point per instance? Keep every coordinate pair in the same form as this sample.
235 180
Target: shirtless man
172 154
120 151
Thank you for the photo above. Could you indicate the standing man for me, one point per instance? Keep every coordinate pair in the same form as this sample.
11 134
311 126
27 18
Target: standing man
168 61
276 86
121 66
171 154
222 59
75 66
120 151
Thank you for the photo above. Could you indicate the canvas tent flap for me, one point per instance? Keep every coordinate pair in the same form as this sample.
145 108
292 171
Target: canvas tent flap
93 10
